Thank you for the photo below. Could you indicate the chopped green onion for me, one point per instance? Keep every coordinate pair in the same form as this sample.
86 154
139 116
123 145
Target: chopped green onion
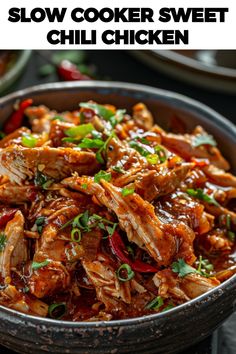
102 175
129 273
91 143
58 118
84 185
40 221
25 290
203 139
153 159
127 191
28 140
168 307
118 169
204 267
231 236
182 268
111 229
138 147
161 153
37 265
3 241
57 311
98 109
76 235
155 304
79 131
199 194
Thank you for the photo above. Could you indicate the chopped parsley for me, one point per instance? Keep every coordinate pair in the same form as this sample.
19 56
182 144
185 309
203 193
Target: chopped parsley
204 267
42 181
3 241
105 113
199 194
102 175
182 268
203 139
38 265
39 222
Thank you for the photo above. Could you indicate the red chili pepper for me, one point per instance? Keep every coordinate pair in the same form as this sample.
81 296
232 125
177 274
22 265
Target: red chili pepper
6 215
119 248
69 72
200 162
16 119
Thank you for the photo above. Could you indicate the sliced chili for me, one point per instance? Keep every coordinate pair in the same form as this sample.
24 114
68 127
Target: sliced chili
16 119
119 249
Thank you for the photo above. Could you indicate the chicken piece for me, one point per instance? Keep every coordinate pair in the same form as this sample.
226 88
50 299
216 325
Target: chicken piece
219 176
142 116
15 250
14 138
18 301
182 289
149 181
40 118
46 280
183 146
137 218
103 277
20 163
15 194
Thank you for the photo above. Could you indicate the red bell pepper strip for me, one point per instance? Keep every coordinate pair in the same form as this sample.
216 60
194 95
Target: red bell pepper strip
69 72
6 215
16 119
119 249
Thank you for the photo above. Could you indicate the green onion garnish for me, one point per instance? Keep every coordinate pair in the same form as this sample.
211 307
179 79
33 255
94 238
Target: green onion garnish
37 265
40 221
127 191
79 131
153 159
231 236
122 269
3 241
155 304
199 194
161 153
28 140
76 235
57 311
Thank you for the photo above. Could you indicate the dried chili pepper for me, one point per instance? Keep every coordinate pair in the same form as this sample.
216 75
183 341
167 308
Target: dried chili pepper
119 249
6 215
16 119
69 72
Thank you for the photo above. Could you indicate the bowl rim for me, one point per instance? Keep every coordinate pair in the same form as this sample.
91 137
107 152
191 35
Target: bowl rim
152 91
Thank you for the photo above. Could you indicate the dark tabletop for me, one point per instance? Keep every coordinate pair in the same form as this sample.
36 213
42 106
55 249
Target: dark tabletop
121 66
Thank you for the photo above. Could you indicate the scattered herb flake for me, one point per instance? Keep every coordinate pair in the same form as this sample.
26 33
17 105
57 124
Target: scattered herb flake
87 143
127 191
38 265
3 241
80 131
40 221
99 109
155 304
118 169
102 175
28 140
182 268
203 139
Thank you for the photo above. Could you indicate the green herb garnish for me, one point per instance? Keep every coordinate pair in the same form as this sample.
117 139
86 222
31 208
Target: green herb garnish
3 241
28 140
91 143
58 118
231 236
182 268
153 159
105 113
168 307
118 169
203 139
42 181
161 153
38 265
125 268
138 147
199 194
57 311
127 191
102 175
204 267
80 131
40 221
84 185
76 235
155 304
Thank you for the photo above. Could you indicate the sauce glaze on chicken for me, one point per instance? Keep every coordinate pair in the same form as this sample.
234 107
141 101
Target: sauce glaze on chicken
105 215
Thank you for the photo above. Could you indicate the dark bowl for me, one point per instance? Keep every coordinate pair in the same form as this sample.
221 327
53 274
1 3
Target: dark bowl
161 333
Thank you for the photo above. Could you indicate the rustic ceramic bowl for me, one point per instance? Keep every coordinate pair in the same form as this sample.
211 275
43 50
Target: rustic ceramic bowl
164 333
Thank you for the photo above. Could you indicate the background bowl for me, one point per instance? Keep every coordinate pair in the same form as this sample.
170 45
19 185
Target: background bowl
11 75
161 333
